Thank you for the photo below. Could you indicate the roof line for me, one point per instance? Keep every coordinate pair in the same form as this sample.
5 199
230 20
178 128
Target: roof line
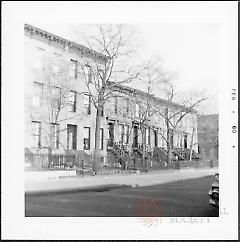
152 96
29 28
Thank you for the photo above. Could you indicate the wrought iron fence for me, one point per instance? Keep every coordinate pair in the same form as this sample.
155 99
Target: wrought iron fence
45 162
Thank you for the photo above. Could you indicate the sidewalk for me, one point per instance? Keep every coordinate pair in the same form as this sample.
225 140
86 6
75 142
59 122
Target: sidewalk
101 182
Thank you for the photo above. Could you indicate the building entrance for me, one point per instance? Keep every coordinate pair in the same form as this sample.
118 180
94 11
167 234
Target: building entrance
135 136
185 141
155 138
110 135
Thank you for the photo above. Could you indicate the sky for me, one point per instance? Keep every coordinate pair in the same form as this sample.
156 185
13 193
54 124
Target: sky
190 50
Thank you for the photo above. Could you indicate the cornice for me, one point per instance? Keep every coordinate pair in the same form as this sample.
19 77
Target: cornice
66 43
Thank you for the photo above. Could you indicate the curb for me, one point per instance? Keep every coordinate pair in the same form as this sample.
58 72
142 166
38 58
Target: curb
101 188
98 188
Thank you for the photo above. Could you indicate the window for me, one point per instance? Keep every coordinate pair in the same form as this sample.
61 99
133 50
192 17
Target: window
87 103
185 123
185 141
86 139
36 134
72 100
88 73
155 138
55 135
115 105
179 141
38 93
101 139
180 124
121 132
130 105
71 137
73 68
126 133
171 138
56 63
147 130
137 110
100 76
127 106
38 60
56 93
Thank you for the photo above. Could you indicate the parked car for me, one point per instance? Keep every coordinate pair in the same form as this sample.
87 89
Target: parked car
214 191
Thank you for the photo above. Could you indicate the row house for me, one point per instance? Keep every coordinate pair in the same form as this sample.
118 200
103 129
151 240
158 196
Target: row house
58 109
128 110
59 113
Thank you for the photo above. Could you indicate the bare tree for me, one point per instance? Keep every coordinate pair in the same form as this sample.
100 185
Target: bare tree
145 106
52 101
113 42
175 110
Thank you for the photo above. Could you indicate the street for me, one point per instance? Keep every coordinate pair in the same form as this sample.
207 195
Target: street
186 198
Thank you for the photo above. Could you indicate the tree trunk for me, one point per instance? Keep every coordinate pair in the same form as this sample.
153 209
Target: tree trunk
49 156
97 140
169 147
191 145
190 157
143 148
49 148
169 153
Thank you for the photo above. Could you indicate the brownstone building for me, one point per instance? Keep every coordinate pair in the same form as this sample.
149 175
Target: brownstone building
208 129
58 110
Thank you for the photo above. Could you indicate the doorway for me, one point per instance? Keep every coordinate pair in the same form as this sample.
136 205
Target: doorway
155 138
171 139
185 141
135 136
110 135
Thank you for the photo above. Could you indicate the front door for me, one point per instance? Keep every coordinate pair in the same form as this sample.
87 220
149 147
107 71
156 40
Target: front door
155 138
135 136
71 137
185 141
110 134
171 138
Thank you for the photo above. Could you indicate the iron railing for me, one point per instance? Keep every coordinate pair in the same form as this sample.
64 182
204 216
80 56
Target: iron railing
123 162
45 162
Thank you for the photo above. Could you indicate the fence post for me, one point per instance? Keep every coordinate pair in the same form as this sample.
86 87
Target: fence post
82 166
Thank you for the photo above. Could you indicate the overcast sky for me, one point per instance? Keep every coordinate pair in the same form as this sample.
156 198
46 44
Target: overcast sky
190 50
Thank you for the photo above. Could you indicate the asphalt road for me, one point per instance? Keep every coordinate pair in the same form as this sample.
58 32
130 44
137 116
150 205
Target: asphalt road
187 198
